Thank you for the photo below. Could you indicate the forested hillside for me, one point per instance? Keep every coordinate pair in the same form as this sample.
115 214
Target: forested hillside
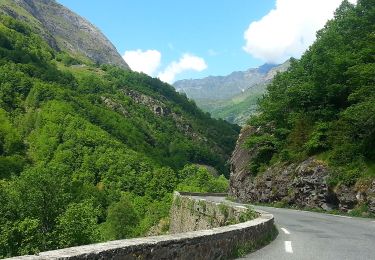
324 105
236 110
92 153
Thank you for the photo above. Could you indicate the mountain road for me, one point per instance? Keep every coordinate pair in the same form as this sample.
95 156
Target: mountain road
311 235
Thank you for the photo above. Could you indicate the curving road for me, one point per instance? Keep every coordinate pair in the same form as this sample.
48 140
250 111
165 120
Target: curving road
310 235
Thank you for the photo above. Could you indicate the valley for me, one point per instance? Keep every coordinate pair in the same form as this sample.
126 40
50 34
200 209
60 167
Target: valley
92 151
233 97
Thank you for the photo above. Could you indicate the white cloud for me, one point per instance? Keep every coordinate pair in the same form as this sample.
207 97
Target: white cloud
143 61
289 29
186 62
149 61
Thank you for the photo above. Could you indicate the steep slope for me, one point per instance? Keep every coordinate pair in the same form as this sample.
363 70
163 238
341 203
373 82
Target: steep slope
92 153
312 141
237 109
64 30
233 97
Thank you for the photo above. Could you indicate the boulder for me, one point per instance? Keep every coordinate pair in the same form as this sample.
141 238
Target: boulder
347 197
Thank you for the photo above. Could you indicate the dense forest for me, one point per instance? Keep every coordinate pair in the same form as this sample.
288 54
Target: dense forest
92 152
324 105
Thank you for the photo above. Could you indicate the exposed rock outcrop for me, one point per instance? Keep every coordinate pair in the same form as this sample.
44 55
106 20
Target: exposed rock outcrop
114 106
301 184
65 30
158 107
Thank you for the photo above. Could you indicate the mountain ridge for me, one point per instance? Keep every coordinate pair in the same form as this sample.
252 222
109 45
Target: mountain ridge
64 30
236 94
228 86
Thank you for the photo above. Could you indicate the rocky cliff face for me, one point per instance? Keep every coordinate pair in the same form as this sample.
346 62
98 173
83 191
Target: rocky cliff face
301 184
64 30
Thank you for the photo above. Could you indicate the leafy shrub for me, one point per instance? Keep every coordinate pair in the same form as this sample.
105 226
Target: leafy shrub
199 179
77 225
318 140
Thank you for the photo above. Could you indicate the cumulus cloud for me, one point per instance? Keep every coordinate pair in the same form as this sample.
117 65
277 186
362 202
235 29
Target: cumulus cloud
149 61
143 61
289 29
186 62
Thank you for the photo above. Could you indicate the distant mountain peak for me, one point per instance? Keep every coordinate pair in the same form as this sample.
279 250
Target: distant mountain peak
232 97
266 67
64 29
224 87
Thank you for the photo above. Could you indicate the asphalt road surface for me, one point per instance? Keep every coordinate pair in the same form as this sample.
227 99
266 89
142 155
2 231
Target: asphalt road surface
310 235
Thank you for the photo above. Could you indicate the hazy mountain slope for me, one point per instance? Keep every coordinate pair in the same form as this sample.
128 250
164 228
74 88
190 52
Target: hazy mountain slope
64 30
220 87
239 108
235 110
233 97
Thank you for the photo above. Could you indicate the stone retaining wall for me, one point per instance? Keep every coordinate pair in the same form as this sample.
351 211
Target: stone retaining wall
216 243
190 213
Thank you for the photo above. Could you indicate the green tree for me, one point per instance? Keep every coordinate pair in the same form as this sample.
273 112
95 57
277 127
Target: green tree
163 181
122 220
77 225
199 179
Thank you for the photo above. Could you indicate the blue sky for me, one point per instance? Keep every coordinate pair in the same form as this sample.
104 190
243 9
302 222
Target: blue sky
192 39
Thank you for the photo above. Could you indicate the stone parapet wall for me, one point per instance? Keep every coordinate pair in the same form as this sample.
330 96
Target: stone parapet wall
191 212
215 243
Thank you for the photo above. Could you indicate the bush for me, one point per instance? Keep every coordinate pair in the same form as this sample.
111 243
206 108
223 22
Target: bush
199 179
318 139
121 221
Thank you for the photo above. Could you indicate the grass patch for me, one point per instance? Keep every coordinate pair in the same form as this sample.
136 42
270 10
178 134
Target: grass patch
249 214
369 170
177 201
361 211
224 209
